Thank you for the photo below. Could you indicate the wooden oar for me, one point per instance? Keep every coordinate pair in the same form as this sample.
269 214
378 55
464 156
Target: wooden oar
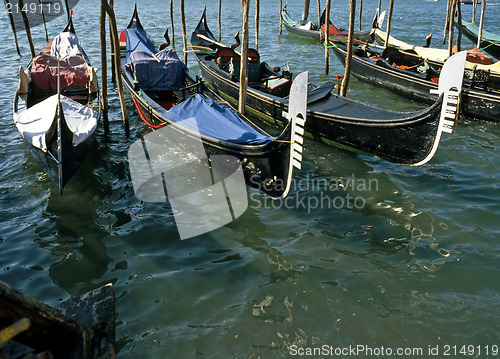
203 37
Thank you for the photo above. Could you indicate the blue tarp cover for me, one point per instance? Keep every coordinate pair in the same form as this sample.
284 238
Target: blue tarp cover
154 69
216 121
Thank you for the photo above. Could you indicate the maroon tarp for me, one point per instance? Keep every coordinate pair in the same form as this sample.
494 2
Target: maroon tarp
74 73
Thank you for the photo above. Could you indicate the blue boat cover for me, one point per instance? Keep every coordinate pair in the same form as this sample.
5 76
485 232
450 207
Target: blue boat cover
158 70
216 121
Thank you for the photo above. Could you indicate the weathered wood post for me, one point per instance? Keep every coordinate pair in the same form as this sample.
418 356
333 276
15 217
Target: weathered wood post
327 33
474 7
350 40
447 21
480 35
104 70
379 6
245 7
389 18
319 12
219 19
113 70
116 50
450 27
459 25
172 21
281 20
305 12
257 11
360 13
27 27
184 37
13 26
43 19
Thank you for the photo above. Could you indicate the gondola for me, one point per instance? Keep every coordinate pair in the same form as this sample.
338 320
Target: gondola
57 114
475 58
490 42
313 30
400 137
166 93
413 77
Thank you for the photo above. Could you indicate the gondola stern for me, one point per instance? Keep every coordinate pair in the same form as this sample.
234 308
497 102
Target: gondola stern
449 92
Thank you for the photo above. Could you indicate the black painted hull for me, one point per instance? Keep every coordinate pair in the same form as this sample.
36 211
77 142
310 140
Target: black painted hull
405 138
475 103
265 166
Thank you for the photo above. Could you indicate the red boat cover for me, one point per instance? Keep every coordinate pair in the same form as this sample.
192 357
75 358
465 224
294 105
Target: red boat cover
74 73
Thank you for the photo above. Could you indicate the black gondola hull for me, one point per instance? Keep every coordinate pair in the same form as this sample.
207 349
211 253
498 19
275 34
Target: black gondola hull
475 103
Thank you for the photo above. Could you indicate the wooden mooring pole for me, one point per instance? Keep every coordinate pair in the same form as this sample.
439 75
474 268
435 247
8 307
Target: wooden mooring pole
450 28
13 26
172 21
184 37
327 33
459 25
257 11
104 70
350 40
305 12
281 20
319 12
219 19
389 18
27 27
360 13
113 65
447 21
116 49
480 35
245 7
43 19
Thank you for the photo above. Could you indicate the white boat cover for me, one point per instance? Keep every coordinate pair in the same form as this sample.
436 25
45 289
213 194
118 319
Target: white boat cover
66 44
34 122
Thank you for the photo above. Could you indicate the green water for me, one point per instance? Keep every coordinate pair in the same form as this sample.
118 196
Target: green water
412 263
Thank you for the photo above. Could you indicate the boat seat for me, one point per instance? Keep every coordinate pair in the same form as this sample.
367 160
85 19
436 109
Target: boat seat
225 56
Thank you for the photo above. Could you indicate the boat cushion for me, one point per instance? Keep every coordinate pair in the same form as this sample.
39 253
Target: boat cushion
160 71
215 121
225 55
73 68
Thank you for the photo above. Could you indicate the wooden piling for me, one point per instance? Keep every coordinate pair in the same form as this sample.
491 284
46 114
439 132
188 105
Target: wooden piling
474 6
43 19
184 37
459 25
257 11
116 50
319 12
360 13
450 28
305 12
104 70
480 35
13 26
327 33
447 21
379 6
172 21
27 28
219 19
281 20
113 69
350 40
389 18
245 7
